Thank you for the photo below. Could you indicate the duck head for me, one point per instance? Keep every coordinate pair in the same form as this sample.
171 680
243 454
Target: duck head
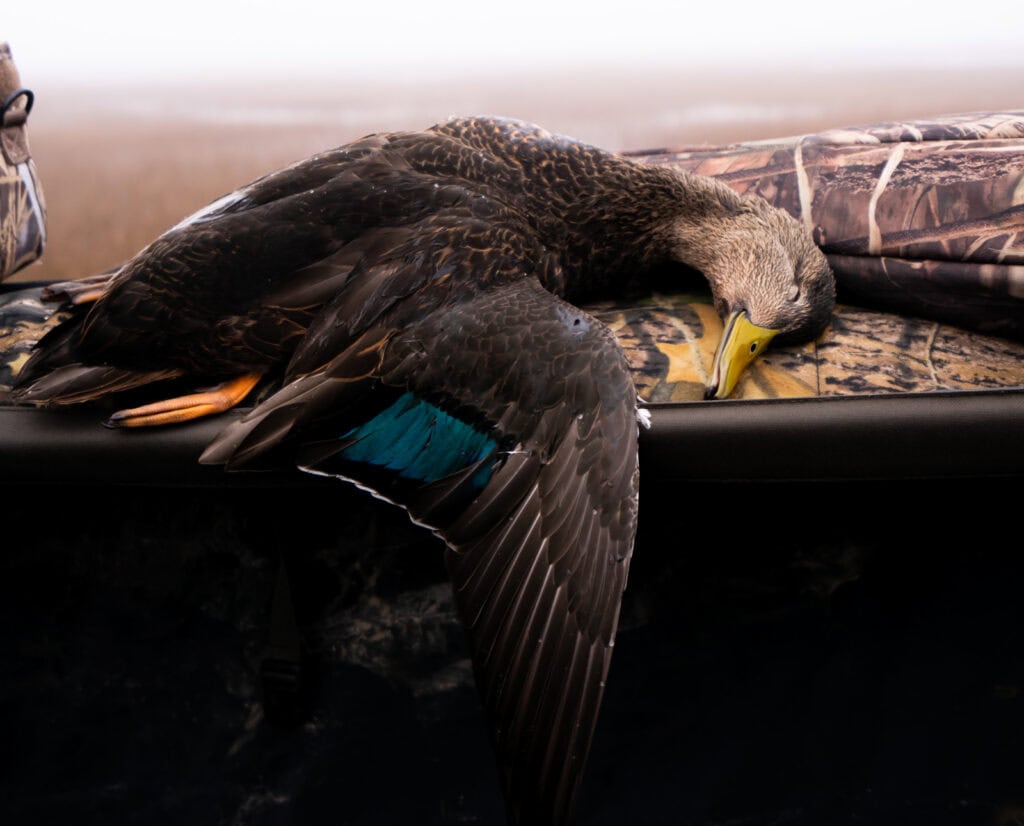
769 280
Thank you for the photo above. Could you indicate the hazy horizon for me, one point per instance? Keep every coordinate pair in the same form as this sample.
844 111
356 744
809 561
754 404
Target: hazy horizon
234 40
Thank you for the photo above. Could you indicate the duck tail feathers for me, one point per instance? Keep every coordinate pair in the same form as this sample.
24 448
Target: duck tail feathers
77 383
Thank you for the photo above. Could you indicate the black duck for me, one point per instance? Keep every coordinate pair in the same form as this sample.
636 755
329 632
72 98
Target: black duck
413 295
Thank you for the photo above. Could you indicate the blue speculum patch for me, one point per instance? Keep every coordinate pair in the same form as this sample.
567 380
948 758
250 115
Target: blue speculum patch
418 440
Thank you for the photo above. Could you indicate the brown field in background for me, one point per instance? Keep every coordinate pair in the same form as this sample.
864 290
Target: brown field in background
120 166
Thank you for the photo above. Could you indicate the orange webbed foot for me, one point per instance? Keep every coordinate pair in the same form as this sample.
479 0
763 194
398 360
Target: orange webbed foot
186 408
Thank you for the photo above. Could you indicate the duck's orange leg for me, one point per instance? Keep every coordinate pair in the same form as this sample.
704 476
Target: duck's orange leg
185 408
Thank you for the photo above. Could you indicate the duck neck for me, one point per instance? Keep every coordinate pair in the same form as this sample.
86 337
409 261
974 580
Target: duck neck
640 216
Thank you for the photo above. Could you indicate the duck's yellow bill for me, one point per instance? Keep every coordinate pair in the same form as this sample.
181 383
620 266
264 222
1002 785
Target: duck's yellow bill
742 342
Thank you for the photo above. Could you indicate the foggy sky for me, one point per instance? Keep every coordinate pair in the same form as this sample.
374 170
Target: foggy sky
231 39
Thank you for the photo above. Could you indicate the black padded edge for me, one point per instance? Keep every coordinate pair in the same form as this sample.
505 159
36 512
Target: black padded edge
910 435
71 446
914 435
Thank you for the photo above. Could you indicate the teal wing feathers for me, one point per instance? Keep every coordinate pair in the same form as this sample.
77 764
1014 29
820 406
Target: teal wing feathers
505 422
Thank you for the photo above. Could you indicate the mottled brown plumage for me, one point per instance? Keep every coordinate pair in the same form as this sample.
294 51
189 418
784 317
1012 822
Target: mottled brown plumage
411 292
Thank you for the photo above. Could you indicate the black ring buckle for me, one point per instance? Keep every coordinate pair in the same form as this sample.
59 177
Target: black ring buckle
30 98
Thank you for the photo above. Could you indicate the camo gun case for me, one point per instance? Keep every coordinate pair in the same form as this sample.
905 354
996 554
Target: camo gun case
22 208
924 218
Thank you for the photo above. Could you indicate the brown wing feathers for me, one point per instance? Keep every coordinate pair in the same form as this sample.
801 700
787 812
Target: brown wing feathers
539 594
539 560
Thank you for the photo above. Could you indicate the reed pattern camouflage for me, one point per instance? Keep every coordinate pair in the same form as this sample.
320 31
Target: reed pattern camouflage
22 208
924 218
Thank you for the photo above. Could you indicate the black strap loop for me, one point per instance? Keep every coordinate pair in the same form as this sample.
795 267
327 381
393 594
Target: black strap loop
30 99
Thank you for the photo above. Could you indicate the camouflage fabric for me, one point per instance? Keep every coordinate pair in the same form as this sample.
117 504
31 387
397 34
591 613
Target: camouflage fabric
923 223
670 341
24 318
22 208
923 218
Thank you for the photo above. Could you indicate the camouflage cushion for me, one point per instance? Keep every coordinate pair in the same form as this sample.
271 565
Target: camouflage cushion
670 341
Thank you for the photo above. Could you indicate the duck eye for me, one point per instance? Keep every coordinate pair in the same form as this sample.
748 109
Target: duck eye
794 293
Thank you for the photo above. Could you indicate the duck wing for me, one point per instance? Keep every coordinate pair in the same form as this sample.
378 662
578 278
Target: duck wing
506 422
232 288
